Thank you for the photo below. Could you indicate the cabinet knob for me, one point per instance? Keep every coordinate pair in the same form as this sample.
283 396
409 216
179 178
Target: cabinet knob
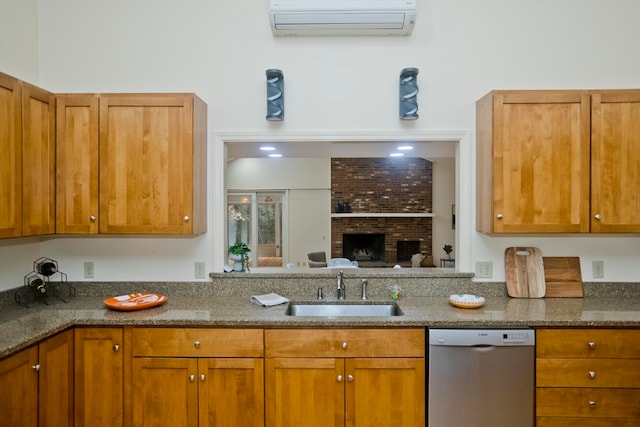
186 218
192 378
499 216
36 367
598 217
592 404
92 218
350 378
592 374
592 345
339 378
116 347
196 344
345 345
201 377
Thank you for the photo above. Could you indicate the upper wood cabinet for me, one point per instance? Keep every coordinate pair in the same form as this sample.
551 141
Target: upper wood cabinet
11 158
554 161
27 164
77 132
615 161
131 164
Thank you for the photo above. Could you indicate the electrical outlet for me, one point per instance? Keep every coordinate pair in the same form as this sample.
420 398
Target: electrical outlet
484 269
200 268
598 269
89 271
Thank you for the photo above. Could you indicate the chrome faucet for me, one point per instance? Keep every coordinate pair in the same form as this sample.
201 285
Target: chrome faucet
364 282
342 294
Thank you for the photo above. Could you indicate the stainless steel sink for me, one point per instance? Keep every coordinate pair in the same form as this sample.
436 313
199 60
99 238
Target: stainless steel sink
343 309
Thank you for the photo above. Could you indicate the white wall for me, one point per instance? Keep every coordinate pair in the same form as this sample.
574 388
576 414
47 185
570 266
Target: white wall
19 39
220 49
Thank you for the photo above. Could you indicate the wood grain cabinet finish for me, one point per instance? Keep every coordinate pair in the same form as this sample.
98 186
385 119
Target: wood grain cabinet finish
152 166
345 377
99 377
558 161
588 377
36 385
11 159
198 377
27 143
77 145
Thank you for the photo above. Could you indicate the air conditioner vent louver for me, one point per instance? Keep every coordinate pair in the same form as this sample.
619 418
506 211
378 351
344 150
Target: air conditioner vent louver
343 17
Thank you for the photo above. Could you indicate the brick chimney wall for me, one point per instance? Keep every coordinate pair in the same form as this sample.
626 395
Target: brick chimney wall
379 186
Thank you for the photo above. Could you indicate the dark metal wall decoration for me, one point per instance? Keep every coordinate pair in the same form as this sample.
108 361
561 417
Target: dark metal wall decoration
409 94
275 95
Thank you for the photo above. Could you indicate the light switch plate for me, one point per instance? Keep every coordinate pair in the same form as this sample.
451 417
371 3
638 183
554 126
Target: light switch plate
484 269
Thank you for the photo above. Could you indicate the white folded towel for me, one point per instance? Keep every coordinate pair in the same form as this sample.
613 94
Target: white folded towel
267 300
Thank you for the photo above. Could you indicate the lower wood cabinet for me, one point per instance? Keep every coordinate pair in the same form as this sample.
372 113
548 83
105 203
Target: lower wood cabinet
588 377
36 385
197 377
99 377
353 378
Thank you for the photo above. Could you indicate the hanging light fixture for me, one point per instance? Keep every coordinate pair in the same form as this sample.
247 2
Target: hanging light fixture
409 94
275 95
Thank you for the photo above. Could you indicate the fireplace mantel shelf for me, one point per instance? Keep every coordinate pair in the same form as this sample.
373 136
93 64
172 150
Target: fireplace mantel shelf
382 215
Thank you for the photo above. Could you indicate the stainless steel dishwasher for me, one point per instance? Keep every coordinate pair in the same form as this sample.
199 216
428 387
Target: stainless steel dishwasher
481 378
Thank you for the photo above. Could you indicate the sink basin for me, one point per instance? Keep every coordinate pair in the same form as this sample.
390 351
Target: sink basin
343 309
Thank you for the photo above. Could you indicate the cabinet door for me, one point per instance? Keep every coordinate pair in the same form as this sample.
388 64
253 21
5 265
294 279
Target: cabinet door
55 391
615 156
11 158
166 392
77 164
99 377
231 392
19 389
304 392
150 170
38 161
385 392
533 162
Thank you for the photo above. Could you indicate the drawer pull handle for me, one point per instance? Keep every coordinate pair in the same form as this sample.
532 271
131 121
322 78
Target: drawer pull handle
350 378
345 345
592 404
499 216
197 344
201 377
116 347
339 378
592 345
36 367
192 378
592 374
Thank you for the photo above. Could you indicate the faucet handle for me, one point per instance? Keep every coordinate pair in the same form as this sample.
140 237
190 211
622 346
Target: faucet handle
364 283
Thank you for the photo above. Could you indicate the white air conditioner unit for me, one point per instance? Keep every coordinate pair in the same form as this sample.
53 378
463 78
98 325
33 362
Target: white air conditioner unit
342 17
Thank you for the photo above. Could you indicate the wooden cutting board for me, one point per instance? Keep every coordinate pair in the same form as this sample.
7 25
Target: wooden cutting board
524 272
563 277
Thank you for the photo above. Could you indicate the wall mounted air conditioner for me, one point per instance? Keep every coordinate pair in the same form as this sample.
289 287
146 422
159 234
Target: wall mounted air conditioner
342 17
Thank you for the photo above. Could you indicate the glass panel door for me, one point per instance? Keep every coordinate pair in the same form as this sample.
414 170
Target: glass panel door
269 230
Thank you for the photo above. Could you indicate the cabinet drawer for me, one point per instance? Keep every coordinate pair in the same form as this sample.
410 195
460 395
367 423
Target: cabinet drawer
585 422
615 373
588 402
345 343
185 342
588 343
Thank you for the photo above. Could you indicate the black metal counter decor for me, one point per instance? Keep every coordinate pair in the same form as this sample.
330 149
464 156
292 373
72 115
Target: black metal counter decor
39 286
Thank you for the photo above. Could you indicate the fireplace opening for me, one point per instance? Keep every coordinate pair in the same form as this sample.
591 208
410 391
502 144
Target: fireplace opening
363 247
405 249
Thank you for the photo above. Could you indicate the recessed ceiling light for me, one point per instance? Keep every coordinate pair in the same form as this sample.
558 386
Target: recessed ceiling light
267 148
405 147
275 155
396 154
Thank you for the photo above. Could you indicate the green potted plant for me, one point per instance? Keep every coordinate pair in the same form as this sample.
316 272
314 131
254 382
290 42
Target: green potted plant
447 249
239 254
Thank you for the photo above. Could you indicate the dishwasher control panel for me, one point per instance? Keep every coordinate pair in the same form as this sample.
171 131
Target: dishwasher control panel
483 337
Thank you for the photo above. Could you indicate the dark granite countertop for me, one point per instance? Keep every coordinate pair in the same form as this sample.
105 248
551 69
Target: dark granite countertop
204 305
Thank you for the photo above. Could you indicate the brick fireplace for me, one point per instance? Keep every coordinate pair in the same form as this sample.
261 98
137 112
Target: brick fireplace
387 197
